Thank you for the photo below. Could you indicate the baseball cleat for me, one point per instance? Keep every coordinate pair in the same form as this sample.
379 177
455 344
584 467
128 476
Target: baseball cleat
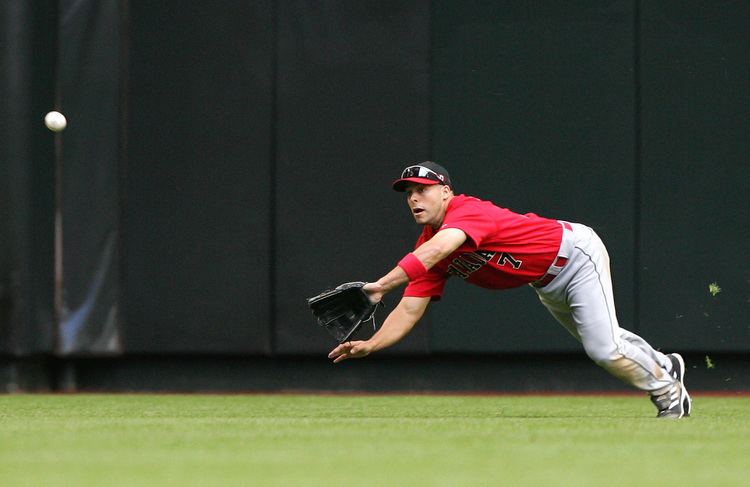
670 403
678 372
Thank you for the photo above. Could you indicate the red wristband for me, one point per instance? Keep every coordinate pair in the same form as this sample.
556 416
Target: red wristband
412 266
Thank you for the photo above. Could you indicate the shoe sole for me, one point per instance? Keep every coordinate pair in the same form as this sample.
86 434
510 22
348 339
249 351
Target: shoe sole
687 403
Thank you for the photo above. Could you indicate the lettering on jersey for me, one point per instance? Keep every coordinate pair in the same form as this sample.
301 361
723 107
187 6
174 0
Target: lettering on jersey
506 258
466 264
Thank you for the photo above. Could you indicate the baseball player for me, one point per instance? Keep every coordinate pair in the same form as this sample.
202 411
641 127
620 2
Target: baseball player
492 247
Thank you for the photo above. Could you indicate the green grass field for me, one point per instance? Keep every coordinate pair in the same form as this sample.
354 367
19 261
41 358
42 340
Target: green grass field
291 440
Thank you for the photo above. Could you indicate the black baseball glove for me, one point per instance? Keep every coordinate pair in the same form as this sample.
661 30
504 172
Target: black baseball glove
342 310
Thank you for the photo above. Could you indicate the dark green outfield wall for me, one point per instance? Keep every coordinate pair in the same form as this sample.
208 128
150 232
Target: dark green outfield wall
225 161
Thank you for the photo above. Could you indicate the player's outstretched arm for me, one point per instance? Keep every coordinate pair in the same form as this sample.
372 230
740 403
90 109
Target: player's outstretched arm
396 326
428 254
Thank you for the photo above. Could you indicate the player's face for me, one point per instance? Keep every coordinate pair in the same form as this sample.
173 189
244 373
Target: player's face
427 203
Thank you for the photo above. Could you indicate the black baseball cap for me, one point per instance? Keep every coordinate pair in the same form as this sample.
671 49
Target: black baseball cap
427 172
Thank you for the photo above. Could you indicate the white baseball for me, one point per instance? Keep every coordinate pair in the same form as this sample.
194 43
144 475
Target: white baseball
55 121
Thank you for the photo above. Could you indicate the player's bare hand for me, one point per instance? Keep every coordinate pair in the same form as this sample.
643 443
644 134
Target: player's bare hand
374 291
355 349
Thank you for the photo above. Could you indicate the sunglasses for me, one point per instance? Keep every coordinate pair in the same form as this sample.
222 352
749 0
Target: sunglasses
422 172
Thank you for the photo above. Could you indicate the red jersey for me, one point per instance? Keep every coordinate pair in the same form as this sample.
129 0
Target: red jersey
502 250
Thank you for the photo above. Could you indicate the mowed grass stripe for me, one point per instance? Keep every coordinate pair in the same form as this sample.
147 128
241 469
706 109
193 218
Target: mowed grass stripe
328 440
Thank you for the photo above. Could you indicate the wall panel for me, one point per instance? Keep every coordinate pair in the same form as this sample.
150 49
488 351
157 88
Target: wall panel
28 31
353 108
696 191
534 110
196 213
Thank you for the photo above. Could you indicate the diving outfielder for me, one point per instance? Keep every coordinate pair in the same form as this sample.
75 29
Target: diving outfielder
492 247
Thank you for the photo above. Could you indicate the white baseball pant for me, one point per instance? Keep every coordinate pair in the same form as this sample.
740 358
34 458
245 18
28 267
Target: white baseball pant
581 299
